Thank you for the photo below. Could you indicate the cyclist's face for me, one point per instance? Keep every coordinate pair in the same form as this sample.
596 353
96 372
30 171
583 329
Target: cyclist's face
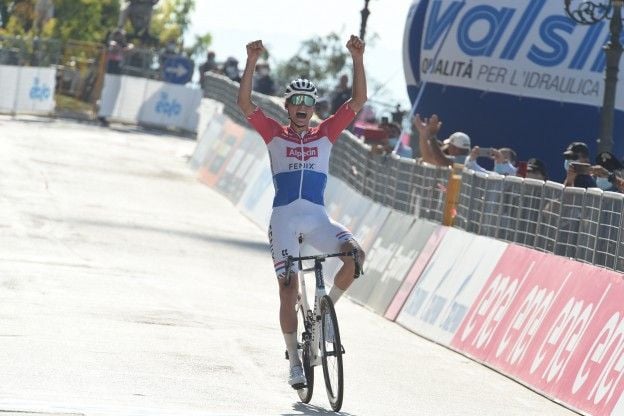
300 114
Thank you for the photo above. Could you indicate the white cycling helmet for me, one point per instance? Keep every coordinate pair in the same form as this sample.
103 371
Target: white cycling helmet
301 86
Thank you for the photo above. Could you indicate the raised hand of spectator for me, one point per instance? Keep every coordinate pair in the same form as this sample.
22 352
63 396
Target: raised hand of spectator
599 171
427 127
570 177
498 156
474 153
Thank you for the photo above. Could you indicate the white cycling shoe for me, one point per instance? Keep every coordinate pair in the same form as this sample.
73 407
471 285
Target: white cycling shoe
297 379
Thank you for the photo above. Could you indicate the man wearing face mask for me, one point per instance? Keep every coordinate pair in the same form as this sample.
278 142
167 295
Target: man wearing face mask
608 172
393 130
577 166
262 81
505 160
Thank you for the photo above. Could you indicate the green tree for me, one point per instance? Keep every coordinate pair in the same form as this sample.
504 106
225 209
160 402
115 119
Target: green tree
199 48
86 20
171 19
321 59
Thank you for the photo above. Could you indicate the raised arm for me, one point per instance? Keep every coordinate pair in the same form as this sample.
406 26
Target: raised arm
254 50
359 93
429 148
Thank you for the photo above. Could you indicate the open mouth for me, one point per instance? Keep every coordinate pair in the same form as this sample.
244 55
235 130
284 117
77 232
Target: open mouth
301 115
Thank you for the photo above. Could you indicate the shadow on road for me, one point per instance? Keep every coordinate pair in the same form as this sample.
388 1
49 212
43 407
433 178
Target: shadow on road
232 241
308 409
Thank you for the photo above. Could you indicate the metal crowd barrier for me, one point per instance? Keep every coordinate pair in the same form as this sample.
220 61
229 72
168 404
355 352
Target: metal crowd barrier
573 222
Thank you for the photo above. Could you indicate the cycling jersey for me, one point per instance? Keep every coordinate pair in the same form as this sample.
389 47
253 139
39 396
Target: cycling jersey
300 163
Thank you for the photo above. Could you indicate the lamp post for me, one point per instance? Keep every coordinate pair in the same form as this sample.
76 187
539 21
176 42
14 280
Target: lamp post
364 12
589 13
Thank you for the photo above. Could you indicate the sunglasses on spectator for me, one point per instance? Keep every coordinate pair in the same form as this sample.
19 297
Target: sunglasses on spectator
300 99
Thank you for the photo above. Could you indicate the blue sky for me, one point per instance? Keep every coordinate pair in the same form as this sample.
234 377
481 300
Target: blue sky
284 24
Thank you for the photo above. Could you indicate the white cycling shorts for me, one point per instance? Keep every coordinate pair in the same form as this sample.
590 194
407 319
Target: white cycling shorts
305 218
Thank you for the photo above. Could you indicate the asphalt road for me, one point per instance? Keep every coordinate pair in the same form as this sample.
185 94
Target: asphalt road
128 288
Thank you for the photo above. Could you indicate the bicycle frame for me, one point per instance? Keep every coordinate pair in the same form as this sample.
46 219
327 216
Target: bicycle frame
312 331
312 317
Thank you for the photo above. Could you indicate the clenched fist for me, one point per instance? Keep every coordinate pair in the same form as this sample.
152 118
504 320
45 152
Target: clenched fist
255 49
355 46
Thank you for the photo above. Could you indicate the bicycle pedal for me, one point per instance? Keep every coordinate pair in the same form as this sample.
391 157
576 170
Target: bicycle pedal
299 386
342 349
286 354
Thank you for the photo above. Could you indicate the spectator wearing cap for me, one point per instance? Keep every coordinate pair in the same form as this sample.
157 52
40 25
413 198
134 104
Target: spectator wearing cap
577 166
454 149
505 160
609 171
536 169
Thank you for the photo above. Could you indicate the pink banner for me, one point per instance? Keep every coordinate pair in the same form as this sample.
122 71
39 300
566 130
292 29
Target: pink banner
553 323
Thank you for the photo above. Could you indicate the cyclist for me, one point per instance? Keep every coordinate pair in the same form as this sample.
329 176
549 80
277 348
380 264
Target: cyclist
299 157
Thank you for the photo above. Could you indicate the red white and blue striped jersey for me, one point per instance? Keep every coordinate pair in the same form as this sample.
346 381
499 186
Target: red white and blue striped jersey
300 163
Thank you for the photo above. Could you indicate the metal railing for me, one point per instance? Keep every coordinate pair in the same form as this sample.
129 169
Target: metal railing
582 224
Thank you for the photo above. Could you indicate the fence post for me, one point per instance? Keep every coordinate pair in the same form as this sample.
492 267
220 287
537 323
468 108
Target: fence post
452 195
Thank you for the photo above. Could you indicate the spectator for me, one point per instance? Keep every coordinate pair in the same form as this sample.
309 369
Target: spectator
262 81
454 149
577 166
608 172
397 115
321 108
393 131
169 51
230 69
116 48
341 93
505 160
209 65
536 169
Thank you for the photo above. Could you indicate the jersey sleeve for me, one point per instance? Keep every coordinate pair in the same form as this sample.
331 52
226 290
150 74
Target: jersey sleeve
334 125
265 126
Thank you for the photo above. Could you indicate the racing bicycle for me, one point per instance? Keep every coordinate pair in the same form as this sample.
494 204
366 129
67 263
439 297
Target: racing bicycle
318 330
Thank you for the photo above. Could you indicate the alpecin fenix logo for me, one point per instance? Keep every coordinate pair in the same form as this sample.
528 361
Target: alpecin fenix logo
169 108
302 153
39 92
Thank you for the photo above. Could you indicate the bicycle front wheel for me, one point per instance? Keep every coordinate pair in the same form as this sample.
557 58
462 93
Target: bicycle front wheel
331 353
305 394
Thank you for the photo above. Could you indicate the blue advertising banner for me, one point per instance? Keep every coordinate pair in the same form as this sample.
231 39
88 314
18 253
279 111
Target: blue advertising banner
509 73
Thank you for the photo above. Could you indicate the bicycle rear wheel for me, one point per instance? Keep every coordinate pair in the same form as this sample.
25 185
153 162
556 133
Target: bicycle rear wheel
331 354
305 394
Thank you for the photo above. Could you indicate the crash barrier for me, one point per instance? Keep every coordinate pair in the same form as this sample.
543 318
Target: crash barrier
27 90
147 102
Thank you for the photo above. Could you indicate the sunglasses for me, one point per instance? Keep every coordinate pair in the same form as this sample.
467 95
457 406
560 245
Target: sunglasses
300 99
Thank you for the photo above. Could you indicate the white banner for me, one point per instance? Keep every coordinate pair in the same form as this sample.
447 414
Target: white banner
27 89
529 48
449 285
141 100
